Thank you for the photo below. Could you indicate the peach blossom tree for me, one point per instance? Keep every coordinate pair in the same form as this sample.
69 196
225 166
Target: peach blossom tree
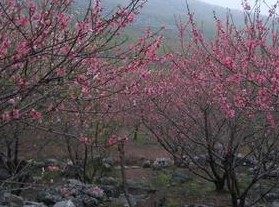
63 75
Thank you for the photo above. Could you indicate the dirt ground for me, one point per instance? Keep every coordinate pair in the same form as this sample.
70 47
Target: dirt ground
136 152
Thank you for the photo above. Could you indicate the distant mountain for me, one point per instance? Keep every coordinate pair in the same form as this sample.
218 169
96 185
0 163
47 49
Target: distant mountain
158 13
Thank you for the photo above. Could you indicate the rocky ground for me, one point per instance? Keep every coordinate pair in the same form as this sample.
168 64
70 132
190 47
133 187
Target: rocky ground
152 181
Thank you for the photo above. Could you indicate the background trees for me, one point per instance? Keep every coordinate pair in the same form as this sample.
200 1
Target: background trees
218 108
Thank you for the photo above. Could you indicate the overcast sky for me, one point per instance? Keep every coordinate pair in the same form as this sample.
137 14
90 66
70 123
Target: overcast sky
236 4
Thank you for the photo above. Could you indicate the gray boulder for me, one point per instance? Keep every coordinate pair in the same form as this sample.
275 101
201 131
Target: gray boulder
107 163
80 194
162 162
275 204
33 204
68 203
49 196
146 164
14 200
273 196
89 201
111 191
52 162
108 181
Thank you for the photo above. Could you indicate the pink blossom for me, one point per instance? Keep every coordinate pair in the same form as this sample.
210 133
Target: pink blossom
261 79
85 140
15 114
53 168
264 99
85 90
23 49
22 21
230 113
4 46
239 101
35 114
113 139
63 19
32 7
60 72
227 107
145 74
271 120
6 117
82 79
229 62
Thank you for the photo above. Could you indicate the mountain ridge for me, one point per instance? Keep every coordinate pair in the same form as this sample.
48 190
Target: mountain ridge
158 13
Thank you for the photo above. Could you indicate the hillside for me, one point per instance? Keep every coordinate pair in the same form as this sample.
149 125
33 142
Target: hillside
158 13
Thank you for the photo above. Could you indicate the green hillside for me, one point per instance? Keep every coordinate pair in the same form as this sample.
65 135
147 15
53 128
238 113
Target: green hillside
158 13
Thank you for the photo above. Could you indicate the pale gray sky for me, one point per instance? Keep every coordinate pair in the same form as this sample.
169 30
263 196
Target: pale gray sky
236 4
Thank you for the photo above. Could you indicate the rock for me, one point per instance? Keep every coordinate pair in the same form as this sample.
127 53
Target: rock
161 163
37 178
89 201
52 162
275 204
15 201
182 161
108 181
68 203
74 182
111 191
78 201
49 196
270 197
197 205
80 194
146 164
33 204
273 173
107 163
246 161
95 192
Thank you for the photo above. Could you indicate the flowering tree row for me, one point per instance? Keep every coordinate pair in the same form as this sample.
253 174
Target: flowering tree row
219 98
65 75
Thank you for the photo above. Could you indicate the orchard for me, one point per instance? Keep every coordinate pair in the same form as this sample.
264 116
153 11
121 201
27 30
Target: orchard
75 78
